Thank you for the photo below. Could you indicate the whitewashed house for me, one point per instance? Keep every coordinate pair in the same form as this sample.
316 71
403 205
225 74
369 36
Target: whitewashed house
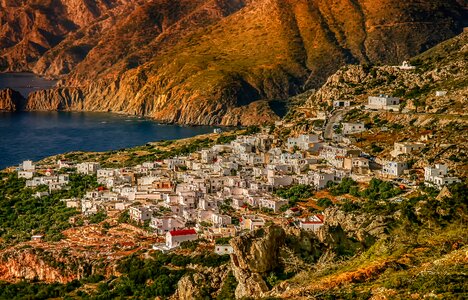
280 180
27 165
437 175
88 168
312 224
305 142
384 102
359 165
252 222
140 213
64 164
220 219
353 128
341 103
104 174
166 223
173 163
26 174
150 165
406 66
272 203
175 237
320 179
406 148
394 168
208 156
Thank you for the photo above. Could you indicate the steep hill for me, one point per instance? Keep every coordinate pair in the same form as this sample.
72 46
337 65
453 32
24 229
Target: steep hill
441 121
442 68
29 28
218 61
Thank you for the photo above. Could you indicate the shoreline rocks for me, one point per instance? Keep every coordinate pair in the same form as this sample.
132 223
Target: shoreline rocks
11 100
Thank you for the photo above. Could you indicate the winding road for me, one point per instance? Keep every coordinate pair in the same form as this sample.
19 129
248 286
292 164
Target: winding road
334 119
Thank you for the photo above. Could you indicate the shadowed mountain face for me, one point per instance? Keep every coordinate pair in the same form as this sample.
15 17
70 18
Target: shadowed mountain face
208 61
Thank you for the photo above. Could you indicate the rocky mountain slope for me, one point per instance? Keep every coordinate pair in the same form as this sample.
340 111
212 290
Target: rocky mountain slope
442 68
11 100
440 121
209 61
30 28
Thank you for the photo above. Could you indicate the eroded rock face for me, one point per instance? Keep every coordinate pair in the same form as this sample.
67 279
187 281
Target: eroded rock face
30 28
190 286
11 100
27 265
260 252
255 254
42 265
55 99
339 226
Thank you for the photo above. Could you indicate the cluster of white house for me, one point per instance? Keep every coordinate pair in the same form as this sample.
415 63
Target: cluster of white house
438 175
27 170
207 192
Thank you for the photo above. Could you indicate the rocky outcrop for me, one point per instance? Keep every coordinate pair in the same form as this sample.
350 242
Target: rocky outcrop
29 263
11 100
352 231
206 61
258 253
55 99
442 68
255 254
203 280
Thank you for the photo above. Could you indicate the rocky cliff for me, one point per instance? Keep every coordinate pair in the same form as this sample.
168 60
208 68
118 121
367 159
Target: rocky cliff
55 99
351 232
30 263
11 100
210 61
191 286
265 251
256 254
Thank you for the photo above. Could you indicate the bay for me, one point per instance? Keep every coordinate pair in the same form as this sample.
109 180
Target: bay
35 135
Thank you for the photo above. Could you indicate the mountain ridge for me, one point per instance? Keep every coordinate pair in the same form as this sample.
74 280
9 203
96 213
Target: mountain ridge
222 61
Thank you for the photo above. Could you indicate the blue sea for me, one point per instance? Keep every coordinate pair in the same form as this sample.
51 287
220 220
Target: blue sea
35 135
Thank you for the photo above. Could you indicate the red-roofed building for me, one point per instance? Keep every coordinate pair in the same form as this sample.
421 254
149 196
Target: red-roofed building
313 224
175 237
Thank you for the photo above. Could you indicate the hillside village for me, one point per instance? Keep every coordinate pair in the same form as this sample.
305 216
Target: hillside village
358 192
230 189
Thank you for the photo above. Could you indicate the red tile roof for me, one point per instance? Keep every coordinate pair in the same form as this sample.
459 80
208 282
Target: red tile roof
182 232
320 217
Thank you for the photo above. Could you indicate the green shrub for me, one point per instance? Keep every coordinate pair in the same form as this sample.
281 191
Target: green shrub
324 202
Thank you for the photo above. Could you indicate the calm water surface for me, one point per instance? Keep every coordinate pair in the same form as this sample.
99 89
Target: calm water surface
24 83
35 135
